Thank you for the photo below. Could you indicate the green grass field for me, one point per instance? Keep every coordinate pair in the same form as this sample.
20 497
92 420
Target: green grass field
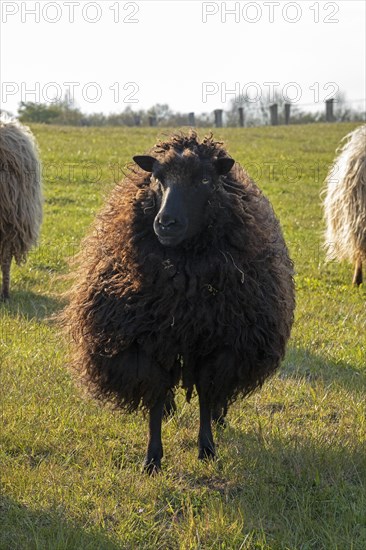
291 468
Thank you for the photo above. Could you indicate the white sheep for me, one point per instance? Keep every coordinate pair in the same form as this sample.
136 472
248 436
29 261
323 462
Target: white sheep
345 204
20 197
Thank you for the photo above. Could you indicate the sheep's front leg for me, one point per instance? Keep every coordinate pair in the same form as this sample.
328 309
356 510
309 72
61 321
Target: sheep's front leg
154 454
206 445
5 269
357 276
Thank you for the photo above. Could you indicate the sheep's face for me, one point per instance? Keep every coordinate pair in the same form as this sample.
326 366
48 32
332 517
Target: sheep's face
183 187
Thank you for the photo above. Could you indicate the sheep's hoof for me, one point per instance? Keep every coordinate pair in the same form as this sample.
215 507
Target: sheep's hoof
206 453
152 467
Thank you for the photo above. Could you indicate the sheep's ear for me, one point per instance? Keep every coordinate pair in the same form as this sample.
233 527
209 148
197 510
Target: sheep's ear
145 162
224 165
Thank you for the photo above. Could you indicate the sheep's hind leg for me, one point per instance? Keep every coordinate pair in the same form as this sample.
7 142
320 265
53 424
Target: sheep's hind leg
357 276
169 405
154 454
206 445
5 269
219 416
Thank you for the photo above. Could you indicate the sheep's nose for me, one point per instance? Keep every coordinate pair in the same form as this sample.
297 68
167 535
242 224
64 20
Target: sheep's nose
165 220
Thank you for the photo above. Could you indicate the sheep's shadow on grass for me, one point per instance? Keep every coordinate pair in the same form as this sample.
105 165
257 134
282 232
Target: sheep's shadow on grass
31 306
273 477
302 363
268 460
279 461
23 527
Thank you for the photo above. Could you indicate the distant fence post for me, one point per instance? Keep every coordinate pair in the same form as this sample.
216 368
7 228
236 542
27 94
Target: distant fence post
329 117
191 119
137 120
274 114
241 117
152 120
287 113
218 118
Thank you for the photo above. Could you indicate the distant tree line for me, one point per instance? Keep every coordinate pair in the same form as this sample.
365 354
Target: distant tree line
253 113
62 113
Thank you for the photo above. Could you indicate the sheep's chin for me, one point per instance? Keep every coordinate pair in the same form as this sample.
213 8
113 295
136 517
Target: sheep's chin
170 240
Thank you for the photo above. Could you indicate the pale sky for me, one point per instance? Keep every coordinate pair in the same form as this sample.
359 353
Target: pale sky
192 55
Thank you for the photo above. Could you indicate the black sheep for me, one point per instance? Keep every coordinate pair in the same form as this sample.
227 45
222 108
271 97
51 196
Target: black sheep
185 278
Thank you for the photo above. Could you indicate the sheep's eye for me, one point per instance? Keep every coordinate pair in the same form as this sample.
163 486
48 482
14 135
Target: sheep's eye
205 181
158 183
